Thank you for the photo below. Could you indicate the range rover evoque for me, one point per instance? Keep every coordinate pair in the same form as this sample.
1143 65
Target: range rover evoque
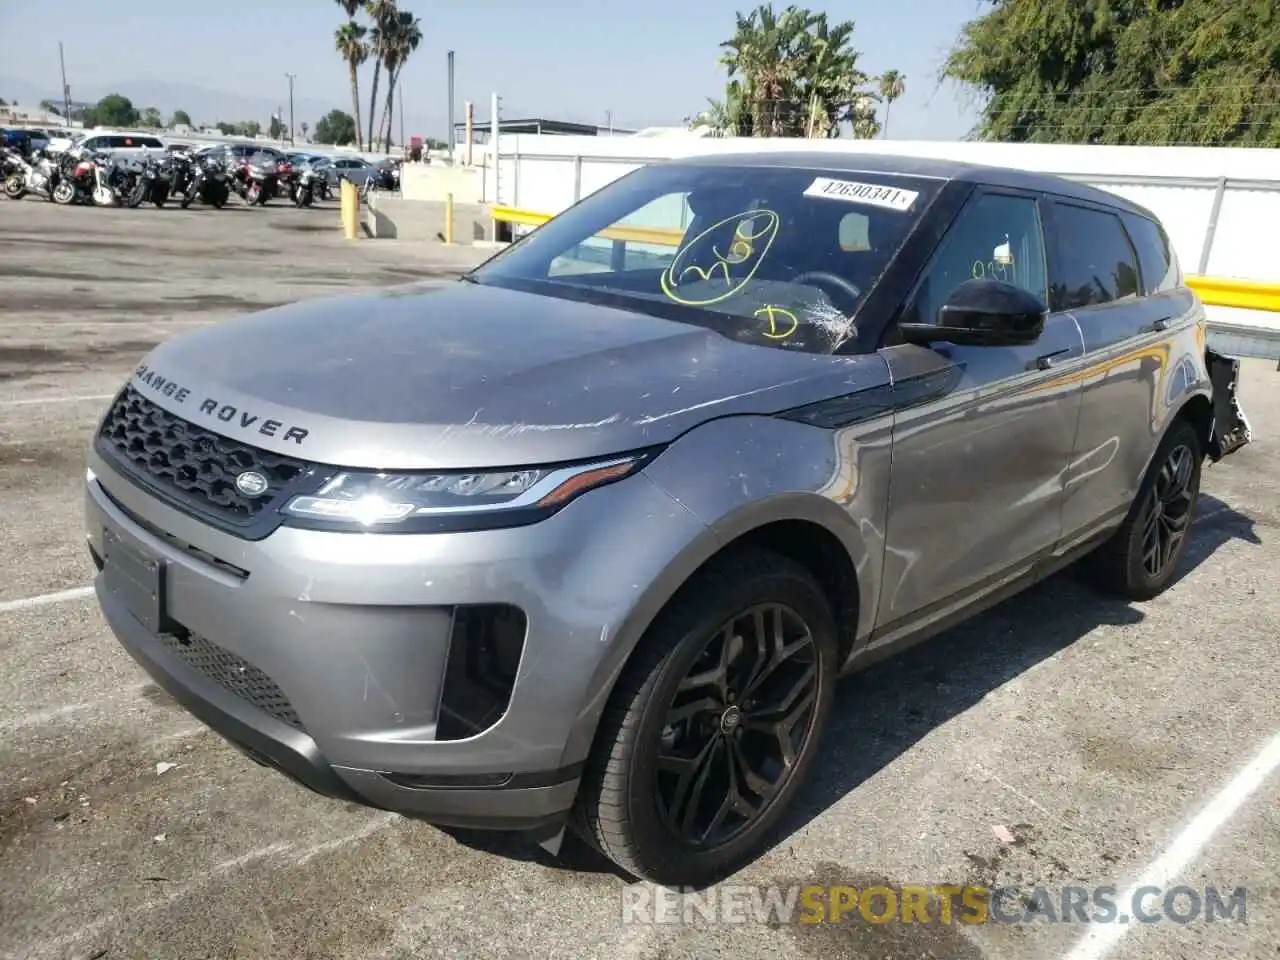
583 539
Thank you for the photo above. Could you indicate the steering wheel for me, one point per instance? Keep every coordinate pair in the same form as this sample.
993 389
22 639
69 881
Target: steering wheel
832 279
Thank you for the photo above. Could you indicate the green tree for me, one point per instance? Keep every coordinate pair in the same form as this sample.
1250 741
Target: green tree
892 85
151 119
48 106
276 128
180 118
383 14
251 128
114 110
350 42
1124 71
336 127
305 126
790 74
406 35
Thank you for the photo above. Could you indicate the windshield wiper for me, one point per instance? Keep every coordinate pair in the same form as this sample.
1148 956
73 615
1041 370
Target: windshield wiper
469 278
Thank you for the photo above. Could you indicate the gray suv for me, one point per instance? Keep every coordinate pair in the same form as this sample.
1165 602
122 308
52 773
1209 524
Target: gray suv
585 538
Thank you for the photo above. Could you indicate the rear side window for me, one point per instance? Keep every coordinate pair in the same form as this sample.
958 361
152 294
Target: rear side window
1096 263
1159 263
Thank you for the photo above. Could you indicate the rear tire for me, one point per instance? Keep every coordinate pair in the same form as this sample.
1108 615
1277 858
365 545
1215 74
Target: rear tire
64 193
1142 557
665 715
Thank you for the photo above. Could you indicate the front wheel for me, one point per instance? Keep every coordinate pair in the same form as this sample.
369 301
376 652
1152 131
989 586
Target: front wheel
713 723
64 193
1140 560
136 194
15 187
253 194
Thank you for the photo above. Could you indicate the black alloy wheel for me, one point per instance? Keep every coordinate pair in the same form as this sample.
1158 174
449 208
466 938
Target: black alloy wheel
1140 560
738 721
714 722
1166 515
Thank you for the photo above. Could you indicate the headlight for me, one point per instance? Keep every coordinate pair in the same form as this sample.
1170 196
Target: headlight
365 500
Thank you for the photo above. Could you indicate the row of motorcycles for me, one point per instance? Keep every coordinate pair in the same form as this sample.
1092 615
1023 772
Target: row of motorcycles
85 177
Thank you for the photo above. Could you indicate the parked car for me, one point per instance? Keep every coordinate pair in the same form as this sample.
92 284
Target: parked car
355 169
112 144
586 537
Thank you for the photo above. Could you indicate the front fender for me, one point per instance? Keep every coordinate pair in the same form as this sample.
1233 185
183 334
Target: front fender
735 475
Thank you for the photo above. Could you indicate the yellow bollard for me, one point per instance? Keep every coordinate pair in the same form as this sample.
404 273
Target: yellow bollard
448 218
349 199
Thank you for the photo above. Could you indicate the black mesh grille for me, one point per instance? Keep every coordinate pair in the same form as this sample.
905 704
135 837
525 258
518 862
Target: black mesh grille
233 673
191 463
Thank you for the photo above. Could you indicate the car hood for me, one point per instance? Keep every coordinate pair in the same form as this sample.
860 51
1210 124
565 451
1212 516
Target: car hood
457 375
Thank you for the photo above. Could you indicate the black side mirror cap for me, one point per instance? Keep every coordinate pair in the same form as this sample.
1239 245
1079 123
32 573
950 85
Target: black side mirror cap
983 313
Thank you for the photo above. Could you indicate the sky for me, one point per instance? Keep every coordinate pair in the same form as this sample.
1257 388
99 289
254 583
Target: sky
635 62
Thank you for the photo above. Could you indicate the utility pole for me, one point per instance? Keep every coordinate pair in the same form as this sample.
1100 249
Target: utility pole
452 134
291 77
608 117
400 95
66 90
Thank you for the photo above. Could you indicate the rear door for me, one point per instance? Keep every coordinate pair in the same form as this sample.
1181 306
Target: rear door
1098 278
976 487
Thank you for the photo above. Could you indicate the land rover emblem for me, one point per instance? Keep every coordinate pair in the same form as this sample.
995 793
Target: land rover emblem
251 483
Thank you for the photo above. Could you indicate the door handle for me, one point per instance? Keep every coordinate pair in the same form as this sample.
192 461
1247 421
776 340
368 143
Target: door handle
1046 360
1159 325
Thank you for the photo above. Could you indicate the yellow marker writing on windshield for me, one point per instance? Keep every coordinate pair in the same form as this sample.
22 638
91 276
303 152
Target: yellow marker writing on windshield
751 226
782 322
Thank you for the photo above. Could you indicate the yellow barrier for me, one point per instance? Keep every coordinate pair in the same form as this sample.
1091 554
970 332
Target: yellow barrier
448 218
349 200
1213 291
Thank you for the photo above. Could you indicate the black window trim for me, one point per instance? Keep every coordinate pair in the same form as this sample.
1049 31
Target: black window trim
1054 200
971 196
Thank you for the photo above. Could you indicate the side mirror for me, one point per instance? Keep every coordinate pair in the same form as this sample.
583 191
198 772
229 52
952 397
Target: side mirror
983 313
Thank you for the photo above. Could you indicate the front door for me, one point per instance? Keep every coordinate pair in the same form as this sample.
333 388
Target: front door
979 456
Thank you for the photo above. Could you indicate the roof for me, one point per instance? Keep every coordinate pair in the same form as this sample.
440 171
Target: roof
533 125
927 167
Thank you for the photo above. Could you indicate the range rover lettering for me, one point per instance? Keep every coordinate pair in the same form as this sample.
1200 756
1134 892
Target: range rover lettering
584 539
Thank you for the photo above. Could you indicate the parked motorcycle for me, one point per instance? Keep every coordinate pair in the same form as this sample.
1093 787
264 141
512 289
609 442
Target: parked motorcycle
209 183
40 175
181 172
86 172
254 179
11 159
302 188
153 183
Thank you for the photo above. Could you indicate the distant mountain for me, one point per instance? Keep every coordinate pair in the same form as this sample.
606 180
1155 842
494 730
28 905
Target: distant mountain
204 105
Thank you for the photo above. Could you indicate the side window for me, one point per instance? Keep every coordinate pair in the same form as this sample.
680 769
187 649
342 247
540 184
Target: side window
151 143
1096 262
995 237
1159 263
95 143
645 239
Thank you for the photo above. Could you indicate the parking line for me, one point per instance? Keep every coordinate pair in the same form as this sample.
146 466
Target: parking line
34 401
26 603
1185 848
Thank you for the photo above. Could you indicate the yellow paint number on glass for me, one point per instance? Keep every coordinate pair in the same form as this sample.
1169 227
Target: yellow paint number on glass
753 235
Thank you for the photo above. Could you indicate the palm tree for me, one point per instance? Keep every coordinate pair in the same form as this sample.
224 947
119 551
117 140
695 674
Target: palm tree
406 34
349 7
384 15
892 85
349 39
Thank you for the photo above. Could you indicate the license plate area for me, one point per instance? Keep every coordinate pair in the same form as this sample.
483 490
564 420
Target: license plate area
137 579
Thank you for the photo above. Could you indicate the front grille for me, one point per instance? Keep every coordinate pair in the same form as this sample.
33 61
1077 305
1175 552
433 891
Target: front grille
234 674
191 464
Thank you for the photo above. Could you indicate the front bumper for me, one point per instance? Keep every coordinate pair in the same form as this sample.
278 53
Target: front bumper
341 659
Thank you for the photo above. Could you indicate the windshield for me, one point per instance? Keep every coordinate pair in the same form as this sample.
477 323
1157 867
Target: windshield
775 256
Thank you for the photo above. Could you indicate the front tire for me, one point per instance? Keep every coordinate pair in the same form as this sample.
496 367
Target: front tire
64 193
15 187
713 724
1141 559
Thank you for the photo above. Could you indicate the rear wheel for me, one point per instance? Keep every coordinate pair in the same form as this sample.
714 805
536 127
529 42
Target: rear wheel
64 193
14 186
1141 558
713 723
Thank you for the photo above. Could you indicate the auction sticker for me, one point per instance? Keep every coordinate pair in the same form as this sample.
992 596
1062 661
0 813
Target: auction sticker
872 194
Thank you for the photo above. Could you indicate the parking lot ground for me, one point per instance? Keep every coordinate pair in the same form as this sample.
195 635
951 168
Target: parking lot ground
1094 734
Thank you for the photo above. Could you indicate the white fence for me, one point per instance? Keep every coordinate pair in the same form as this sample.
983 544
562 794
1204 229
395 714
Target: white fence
1219 205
